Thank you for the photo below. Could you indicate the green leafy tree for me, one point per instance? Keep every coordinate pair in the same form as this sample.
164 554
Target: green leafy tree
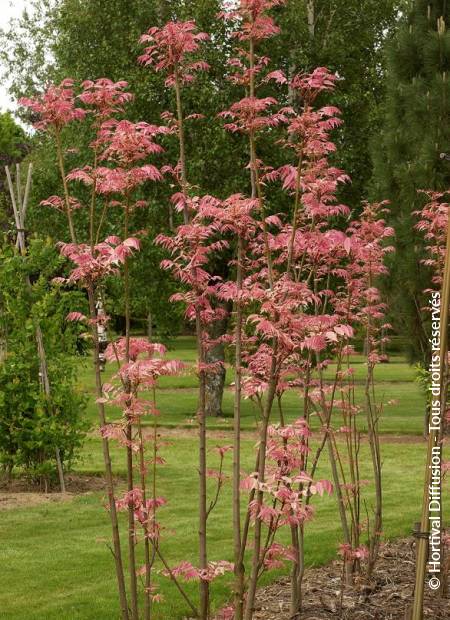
407 153
13 147
32 425
350 41
87 39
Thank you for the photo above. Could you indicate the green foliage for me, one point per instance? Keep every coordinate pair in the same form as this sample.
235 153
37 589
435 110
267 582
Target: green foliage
407 153
13 147
32 425
12 136
87 39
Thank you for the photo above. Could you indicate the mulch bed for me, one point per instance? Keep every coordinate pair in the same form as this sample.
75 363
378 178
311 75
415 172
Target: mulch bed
22 492
387 597
75 483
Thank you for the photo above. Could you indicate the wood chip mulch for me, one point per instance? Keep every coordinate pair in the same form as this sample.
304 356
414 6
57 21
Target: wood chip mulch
387 597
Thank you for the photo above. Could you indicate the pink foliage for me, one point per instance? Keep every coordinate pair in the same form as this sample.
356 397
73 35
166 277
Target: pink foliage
254 21
170 49
105 97
188 572
433 219
56 107
102 260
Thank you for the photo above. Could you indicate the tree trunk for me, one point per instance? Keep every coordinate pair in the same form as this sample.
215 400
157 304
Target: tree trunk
310 10
150 326
215 379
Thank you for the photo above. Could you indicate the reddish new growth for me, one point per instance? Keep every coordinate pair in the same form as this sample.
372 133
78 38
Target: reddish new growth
55 107
254 22
93 264
171 49
433 219
105 97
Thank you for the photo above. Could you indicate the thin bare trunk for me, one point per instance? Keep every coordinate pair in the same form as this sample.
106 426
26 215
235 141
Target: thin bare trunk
147 556
256 561
184 184
129 436
333 457
295 214
374 442
60 155
108 466
201 417
239 568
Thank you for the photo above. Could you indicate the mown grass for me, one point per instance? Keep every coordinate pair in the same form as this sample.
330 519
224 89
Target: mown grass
55 562
54 557
177 396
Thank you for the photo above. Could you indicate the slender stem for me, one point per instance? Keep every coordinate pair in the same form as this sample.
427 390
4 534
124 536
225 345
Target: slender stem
203 513
101 222
273 378
374 442
259 194
239 568
60 156
107 462
148 559
92 203
181 139
294 214
129 434
194 610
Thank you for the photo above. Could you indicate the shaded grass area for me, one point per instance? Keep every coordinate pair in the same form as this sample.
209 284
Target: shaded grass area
58 553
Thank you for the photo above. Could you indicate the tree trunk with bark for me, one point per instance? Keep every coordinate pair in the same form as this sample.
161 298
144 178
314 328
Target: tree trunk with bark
215 379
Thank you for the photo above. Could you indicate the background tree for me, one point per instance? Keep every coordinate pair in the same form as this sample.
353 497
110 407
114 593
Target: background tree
90 39
350 42
415 132
13 147
31 424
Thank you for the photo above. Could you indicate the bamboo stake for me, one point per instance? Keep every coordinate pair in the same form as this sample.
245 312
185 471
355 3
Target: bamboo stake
20 208
434 441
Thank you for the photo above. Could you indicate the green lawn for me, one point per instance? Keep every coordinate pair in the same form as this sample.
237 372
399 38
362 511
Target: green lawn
177 397
54 560
54 557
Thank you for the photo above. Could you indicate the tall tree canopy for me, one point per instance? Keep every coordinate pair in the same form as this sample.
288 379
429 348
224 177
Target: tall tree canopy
87 39
407 153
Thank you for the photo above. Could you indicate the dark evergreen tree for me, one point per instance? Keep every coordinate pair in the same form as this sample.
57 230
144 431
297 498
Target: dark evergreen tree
407 153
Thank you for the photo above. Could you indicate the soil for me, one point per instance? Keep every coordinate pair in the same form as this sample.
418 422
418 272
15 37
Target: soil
21 492
388 596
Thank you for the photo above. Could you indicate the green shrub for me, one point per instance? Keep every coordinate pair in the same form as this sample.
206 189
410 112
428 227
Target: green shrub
32 425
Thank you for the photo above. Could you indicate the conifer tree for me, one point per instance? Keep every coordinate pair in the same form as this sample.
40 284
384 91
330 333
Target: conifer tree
407 153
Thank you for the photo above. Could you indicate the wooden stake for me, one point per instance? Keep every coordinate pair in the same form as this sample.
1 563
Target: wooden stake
20 208
434 441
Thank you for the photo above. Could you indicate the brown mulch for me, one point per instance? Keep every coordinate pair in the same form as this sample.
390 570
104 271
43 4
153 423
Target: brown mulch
387 597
